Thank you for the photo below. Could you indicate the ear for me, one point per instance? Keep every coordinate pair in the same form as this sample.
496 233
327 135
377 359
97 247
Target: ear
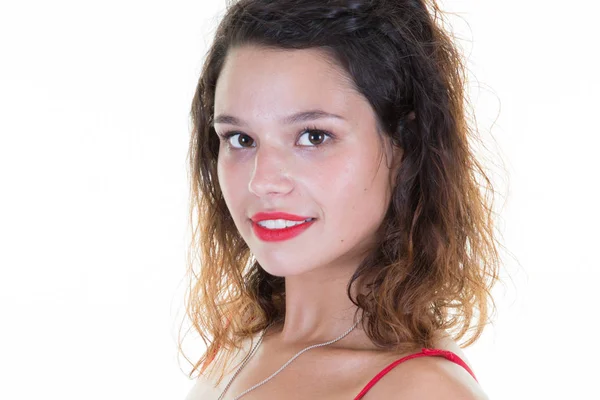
397 155
397 151
393 157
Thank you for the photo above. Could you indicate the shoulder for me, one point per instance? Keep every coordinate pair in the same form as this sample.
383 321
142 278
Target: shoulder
205 387
201 389
428 378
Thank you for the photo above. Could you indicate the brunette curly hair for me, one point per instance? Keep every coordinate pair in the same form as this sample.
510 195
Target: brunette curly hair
436 258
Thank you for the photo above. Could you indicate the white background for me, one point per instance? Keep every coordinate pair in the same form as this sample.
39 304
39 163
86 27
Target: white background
94 103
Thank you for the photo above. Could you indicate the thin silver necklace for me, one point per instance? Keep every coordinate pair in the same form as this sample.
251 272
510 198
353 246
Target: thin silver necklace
282 367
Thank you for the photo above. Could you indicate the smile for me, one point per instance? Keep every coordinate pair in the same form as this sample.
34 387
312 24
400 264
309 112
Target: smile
281 223
278 230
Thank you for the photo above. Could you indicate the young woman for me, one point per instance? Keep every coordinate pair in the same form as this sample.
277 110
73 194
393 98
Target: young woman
341 219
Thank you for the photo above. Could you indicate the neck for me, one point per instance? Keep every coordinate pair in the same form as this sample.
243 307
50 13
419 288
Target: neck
317 310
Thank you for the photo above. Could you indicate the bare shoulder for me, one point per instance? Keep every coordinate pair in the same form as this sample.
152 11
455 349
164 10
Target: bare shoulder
426 378
201 389
205 387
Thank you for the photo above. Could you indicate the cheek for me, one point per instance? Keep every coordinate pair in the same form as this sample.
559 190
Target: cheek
329 182
230 182
358 195
351 178
222 177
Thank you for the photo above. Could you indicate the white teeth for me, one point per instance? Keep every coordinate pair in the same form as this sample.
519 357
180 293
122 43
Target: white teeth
280 223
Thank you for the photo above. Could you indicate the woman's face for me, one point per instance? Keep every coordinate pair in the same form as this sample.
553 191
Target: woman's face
274 162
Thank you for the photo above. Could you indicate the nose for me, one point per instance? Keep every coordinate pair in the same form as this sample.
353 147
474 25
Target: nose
270 174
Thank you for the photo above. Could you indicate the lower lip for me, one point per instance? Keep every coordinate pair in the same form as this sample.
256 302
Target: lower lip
276 235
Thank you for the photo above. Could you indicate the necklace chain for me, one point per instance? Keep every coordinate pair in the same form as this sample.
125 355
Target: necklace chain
282 367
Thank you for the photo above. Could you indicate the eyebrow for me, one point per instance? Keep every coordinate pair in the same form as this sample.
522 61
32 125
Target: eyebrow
302 116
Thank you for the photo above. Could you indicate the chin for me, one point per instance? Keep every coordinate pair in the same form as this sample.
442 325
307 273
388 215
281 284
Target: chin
282 270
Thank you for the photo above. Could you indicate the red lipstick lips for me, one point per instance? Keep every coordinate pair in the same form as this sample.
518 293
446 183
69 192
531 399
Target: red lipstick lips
261 216
273 235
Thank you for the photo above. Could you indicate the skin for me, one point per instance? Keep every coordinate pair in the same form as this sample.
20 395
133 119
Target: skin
345 182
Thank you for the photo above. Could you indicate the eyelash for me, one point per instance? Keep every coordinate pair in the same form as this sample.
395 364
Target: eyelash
309 129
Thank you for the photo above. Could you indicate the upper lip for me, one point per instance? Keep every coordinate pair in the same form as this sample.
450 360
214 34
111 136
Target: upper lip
262 216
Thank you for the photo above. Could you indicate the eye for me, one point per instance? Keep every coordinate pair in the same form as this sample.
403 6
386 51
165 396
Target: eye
315 135
227 136
316 138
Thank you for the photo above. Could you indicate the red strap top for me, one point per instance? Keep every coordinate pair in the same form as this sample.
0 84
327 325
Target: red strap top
424 353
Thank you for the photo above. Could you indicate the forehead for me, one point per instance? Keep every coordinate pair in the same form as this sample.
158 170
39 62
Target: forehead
264 82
